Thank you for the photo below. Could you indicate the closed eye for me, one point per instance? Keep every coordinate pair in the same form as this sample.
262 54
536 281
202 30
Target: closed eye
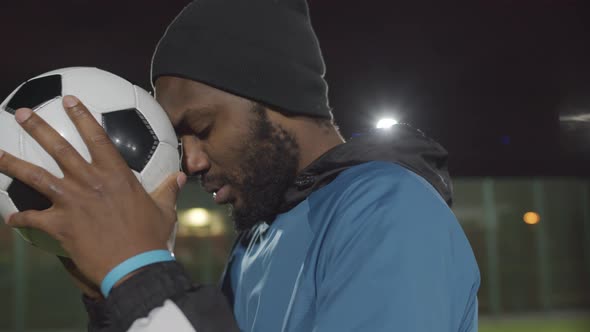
203 134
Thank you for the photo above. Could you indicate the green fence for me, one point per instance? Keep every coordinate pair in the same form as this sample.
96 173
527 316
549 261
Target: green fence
528 267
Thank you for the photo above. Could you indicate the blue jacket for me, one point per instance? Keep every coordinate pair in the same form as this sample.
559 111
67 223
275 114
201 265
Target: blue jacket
377 249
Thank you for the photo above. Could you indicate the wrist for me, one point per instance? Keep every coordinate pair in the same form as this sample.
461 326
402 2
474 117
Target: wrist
128 276
132 266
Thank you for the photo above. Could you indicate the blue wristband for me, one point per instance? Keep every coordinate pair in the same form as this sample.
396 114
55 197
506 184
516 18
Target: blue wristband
132 264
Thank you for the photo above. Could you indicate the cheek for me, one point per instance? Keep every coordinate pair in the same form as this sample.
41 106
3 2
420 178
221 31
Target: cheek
225 151
229 142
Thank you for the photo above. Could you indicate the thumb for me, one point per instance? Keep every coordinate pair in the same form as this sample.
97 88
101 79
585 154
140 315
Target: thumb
167 192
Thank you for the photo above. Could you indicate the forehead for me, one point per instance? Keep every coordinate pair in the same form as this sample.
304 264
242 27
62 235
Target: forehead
171 91
182 97
178 96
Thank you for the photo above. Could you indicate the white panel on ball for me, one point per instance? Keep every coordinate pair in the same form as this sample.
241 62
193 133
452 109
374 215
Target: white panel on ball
10 141
7 207
138 176
35 154
32 151
55 115
5 181
109 92
156 117
164 162
59 71
11 132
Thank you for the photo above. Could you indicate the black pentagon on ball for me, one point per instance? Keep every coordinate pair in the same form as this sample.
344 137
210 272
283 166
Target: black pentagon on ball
132 135
35 92
27 198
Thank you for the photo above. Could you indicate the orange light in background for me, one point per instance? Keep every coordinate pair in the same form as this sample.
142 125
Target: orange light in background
531 218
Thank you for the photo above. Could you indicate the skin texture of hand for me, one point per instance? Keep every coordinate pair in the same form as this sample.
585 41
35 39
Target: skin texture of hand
101 214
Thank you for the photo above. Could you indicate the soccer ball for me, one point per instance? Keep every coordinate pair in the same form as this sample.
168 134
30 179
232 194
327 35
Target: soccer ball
133 120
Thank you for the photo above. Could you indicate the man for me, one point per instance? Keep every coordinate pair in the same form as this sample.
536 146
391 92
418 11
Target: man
334 236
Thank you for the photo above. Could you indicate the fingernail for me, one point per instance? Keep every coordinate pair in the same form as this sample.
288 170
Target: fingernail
70 101
22 114
7 219
1 153
181 180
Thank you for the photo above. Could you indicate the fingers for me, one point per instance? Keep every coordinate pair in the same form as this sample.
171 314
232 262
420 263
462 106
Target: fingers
32 175
101 148
61 150
167 192
33 219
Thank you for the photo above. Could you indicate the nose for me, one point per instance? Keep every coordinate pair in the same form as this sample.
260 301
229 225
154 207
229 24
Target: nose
194 159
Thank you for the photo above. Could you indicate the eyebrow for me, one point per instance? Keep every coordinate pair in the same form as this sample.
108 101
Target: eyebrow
203 113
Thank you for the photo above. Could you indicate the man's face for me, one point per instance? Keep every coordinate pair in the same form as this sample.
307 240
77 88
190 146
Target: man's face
241 155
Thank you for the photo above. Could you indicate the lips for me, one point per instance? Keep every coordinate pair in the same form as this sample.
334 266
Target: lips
221 194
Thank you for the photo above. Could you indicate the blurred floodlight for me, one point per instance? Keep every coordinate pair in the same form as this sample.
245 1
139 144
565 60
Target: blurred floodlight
531 218
197 217
386 123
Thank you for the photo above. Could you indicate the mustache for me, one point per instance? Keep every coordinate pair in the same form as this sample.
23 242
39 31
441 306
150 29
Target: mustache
217 179
204 178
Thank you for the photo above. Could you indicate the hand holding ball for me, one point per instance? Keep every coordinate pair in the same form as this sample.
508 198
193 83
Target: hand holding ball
132 119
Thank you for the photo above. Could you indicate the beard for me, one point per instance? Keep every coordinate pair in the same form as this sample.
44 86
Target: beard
267 167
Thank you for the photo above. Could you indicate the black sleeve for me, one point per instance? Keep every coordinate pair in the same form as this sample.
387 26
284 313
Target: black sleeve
205 307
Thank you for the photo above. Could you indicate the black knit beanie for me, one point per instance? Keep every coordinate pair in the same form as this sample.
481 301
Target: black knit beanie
262 50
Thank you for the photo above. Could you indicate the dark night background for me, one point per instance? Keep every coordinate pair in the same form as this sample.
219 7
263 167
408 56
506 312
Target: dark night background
497 82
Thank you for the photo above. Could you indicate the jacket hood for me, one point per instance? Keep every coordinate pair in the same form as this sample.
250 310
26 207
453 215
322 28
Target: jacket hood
401 144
